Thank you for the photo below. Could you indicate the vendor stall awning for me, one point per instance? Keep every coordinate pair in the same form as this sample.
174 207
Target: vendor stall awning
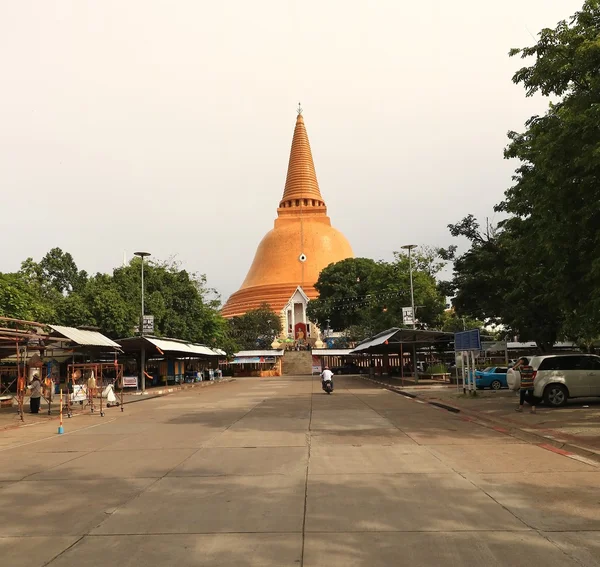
171 346
390 340
253 353
254 360
84 338
167 345
331 351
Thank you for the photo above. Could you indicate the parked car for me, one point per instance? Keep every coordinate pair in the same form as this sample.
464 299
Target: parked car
493 377
559 377
348 368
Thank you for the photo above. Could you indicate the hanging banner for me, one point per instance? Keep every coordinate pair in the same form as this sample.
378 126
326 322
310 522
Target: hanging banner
408 316
316 365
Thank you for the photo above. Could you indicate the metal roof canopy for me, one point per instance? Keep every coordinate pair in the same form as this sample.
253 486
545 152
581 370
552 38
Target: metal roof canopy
171 346
251 353
331 351
85 338
389 341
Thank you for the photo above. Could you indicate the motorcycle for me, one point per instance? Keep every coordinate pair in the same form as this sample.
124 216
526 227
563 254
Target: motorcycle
328 386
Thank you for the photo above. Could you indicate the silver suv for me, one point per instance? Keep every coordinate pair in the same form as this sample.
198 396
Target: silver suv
559 377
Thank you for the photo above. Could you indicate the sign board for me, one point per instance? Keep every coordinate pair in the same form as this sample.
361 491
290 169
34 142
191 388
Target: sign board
79 393
408 316
148 324
316 365
130 381
467 341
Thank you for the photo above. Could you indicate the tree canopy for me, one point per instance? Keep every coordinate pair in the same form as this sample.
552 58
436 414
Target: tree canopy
256 329
55 291
364 296
538 271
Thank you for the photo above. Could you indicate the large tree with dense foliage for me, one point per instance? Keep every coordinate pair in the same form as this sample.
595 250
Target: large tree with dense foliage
365 296
555 200
54 290
256 329
500 281
538 272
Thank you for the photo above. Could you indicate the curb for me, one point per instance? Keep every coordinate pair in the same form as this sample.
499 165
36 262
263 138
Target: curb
574 451
174 389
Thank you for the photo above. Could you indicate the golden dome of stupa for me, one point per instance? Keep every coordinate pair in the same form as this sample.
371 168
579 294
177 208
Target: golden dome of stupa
301 244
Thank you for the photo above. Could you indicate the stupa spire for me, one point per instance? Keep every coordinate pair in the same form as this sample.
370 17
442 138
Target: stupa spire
301 185
300 245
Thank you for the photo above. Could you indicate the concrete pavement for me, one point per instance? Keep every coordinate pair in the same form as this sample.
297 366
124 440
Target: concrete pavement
576 426
273 472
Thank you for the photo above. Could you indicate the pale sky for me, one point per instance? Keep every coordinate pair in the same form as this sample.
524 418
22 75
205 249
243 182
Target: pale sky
166 125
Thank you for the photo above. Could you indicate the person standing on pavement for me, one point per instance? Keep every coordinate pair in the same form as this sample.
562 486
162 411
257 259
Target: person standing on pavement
35 393
527 376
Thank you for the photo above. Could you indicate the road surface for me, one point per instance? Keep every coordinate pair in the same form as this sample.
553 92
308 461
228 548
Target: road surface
273 472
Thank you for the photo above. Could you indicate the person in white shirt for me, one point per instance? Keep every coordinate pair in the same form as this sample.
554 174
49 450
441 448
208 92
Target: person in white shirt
327 376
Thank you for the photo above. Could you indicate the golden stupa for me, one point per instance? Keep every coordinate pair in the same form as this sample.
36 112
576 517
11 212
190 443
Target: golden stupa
301 244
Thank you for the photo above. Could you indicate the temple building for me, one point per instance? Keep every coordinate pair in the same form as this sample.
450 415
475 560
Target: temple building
290 257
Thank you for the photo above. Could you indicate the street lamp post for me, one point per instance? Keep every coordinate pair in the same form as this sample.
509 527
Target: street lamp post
410 247
142 255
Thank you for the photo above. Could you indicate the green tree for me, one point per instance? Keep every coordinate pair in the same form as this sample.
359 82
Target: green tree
56 291
74 311
56 271
364 297
501 280
21 300
454 323
182 305
257 328
59 271
554 203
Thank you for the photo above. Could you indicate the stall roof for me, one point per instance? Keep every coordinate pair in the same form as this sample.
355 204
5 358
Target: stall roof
529 345
331 351
169 345
389 341
163 345
84 338
250 353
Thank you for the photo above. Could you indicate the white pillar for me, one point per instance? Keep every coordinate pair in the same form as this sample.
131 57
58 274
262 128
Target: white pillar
473 377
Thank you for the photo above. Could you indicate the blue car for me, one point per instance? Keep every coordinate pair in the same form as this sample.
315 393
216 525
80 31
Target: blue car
493 377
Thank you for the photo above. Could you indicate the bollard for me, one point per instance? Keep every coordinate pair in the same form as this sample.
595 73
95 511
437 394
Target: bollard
60 426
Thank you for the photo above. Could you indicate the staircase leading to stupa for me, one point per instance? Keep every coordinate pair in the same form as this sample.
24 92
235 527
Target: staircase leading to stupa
297 363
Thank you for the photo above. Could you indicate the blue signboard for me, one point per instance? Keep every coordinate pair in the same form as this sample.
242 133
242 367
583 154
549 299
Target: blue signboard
467 340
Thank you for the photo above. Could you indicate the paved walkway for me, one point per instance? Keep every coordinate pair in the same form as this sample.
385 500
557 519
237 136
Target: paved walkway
576 424
273 472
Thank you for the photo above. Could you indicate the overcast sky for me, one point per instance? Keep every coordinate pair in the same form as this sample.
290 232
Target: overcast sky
166 125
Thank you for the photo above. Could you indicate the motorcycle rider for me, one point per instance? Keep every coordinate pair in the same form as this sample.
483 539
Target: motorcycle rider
327 376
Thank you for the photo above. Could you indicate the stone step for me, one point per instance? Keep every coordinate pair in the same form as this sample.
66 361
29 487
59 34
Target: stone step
297 363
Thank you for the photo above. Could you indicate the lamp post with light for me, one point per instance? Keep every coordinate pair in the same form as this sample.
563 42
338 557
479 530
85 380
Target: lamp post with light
410 248
142 255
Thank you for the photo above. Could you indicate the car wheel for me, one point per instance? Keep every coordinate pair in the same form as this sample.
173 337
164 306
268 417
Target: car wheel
496 385
556 395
